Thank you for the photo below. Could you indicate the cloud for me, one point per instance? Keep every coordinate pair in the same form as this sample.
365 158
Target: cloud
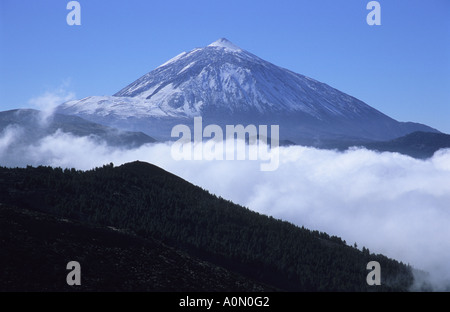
391 203
48 101
8 136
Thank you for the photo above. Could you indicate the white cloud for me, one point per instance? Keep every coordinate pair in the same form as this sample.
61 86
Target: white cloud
7 137
48 101
390 203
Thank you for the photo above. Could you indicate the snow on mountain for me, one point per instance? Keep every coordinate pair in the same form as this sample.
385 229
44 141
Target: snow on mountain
224 43
227 77
224 84
104 106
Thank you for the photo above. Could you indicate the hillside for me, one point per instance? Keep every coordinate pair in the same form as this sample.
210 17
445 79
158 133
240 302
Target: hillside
34 125
156 205
36 248
417 144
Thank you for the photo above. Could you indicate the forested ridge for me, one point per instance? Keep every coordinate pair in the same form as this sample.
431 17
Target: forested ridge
154 204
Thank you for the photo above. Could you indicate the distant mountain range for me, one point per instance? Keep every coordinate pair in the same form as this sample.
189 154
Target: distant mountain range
417 144
228 85
421 145
36 125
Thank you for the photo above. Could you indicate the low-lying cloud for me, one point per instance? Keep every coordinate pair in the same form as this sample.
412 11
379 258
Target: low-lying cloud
391 203
49 101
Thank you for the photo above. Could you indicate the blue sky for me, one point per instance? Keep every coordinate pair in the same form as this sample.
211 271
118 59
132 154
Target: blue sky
401 68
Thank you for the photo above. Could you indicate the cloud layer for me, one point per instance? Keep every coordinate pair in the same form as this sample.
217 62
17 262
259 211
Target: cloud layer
390 203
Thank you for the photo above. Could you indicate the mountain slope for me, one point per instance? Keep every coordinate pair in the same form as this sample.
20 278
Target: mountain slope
417 144
155 204
36 125
36 248
228 85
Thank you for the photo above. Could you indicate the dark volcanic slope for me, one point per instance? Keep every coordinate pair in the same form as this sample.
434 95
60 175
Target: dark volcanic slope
155 204
36 247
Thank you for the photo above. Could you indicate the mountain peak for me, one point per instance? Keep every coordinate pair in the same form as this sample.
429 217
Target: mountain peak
225 43
228 85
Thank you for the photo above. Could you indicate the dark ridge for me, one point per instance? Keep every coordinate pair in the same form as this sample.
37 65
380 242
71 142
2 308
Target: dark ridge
36 248
417 144
156 205
421 145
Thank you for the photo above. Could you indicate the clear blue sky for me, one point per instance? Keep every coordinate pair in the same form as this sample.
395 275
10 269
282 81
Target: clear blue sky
401 67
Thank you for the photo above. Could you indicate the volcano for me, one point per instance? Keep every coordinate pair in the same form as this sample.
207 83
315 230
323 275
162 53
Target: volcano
226 85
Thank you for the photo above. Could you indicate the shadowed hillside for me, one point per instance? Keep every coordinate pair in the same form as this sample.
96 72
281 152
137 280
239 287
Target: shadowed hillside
156 205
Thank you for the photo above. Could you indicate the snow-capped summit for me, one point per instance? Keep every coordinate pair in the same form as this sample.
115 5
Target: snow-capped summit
226 44
228 85
227 79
